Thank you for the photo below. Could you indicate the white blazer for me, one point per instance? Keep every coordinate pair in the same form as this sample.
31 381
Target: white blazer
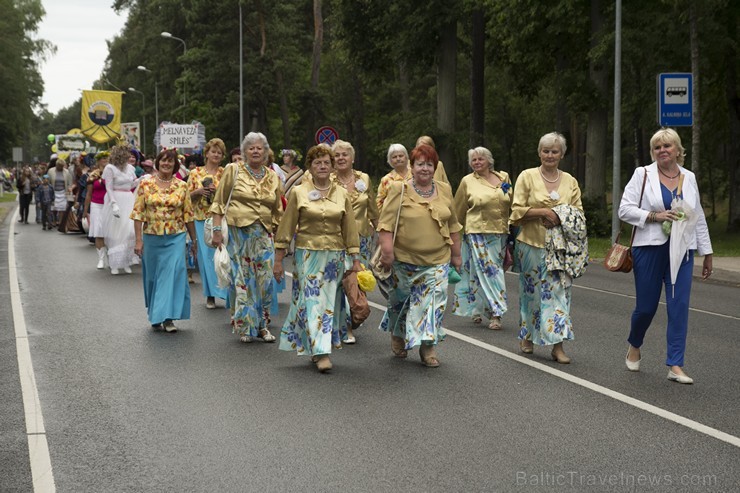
652 200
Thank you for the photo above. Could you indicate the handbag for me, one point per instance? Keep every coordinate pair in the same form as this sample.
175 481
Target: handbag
380 273
208 225
619 257
358 307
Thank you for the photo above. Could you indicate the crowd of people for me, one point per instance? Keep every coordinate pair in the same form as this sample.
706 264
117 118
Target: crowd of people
328 219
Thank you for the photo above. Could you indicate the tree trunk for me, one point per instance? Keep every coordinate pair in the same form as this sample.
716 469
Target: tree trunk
360 136
477 81
696 132
318 41
284 111
446 93
733 145
562 121
403 82
598 117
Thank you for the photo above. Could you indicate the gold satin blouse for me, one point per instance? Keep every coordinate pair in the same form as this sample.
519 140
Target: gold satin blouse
324 223
424 227
195 181
530 193
363 203
481 207
252 200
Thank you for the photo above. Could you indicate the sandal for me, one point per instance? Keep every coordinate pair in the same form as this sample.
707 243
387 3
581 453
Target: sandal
477 319
266 336
428 354
526 346
245 339
349 340
323 363
495 323
398 346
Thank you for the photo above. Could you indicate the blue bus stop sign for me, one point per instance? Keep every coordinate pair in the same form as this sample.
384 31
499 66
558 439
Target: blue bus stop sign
675 100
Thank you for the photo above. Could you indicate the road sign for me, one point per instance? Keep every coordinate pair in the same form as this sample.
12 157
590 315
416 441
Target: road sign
675 100
326 135
17 154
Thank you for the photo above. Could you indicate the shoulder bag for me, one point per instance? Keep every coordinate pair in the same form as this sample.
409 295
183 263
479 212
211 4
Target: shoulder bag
619 257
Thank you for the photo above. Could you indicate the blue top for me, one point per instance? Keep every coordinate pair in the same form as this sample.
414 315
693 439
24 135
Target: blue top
668 196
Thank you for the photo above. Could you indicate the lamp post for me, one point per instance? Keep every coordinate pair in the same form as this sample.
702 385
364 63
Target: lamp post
156 95
167 35
241 77
143 117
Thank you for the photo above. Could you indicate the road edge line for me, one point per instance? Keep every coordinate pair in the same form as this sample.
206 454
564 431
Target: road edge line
38 447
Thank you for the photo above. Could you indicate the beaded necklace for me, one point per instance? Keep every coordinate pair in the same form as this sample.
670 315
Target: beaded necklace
257 175
423 193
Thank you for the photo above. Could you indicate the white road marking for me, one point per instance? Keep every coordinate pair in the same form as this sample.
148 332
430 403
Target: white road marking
38 448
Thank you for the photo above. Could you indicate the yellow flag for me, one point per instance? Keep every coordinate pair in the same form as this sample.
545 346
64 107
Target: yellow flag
101 115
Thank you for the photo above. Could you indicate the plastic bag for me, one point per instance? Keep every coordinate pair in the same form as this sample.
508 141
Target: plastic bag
366 280
222 264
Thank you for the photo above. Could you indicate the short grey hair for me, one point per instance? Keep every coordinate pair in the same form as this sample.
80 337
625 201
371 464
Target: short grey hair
394 148
550 139
253 138
483 152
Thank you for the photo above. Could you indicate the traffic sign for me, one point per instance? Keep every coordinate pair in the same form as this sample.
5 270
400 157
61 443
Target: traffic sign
675 100
326 135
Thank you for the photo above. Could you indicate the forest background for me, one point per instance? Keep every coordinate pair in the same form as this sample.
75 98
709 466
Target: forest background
497 73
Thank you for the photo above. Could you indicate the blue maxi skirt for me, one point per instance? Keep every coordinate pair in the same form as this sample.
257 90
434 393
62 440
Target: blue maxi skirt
482 290
165 275
207 271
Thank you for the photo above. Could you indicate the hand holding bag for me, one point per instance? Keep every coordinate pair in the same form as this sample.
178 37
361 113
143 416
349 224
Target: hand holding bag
208 226
380 273
619 257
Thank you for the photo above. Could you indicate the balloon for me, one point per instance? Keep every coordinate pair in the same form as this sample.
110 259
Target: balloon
51 137
54 148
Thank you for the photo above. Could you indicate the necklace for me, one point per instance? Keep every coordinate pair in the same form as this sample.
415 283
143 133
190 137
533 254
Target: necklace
670 177
545 178
163 180
424 193
258 175
322 189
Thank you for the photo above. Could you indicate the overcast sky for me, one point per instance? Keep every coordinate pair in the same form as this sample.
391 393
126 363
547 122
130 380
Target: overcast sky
79 29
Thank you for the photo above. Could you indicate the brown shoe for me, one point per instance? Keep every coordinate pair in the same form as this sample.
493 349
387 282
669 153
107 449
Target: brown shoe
526 346
559 355
398 346
323 363
428 354
495 323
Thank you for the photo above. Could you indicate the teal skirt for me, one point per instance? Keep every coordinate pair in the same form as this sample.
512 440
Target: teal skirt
165 275
482 289
416 303
544 303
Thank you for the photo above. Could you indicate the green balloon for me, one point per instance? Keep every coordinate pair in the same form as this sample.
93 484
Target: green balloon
51 137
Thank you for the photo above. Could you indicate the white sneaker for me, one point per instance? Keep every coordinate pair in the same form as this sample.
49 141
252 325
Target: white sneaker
127 270
115 272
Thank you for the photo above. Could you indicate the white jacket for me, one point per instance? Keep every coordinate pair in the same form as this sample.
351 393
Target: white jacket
652 200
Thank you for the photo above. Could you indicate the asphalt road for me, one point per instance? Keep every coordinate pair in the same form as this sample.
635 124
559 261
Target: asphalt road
128 409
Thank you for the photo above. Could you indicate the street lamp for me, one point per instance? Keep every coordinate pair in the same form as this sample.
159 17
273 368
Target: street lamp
156 93
167 35
241 77
143 116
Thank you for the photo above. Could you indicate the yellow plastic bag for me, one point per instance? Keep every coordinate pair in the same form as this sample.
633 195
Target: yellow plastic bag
366 280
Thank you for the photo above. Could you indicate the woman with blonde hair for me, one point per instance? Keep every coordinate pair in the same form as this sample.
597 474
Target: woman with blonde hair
483 205
202 184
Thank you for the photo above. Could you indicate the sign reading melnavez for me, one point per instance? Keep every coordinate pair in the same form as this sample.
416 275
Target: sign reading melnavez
178 136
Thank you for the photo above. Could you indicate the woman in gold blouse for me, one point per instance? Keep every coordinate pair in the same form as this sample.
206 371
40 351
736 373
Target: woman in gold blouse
359 188
426 244
162 212
544 301
398 159
252 215
202 183
483 205
320 214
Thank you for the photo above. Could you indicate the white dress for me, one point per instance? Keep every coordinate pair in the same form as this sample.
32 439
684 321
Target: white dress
119 231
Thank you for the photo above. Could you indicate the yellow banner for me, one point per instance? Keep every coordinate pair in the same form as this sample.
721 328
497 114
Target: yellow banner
101 115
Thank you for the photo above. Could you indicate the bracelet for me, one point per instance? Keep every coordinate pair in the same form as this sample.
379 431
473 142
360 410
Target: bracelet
216 228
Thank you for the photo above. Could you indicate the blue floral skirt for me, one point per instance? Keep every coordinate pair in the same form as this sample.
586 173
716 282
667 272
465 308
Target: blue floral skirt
544 303
208 278
482 289
317 312
416 303
165 276
366 250
252 257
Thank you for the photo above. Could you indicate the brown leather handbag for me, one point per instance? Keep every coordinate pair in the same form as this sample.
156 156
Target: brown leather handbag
619 257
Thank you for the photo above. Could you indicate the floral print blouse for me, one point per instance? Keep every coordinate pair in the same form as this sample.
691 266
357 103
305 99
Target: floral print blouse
195 181
163 212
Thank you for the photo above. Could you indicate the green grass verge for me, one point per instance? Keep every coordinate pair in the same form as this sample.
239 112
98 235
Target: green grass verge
8 197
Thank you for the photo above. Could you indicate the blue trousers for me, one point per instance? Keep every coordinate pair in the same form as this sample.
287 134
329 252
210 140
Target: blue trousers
652 271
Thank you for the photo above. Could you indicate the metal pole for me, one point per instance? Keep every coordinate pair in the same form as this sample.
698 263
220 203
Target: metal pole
143 121
616 143
156 103
241 77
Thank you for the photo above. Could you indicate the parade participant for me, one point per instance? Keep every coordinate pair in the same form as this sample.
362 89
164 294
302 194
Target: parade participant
253 213
544 300
118 229
202 184
293 172
61 179
483 205
670 195
26 184
45 193
398 159
439 173
427 242
162 213
320 214
94 200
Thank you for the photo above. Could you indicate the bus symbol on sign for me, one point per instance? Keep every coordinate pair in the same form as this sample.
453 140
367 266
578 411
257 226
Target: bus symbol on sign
676 91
